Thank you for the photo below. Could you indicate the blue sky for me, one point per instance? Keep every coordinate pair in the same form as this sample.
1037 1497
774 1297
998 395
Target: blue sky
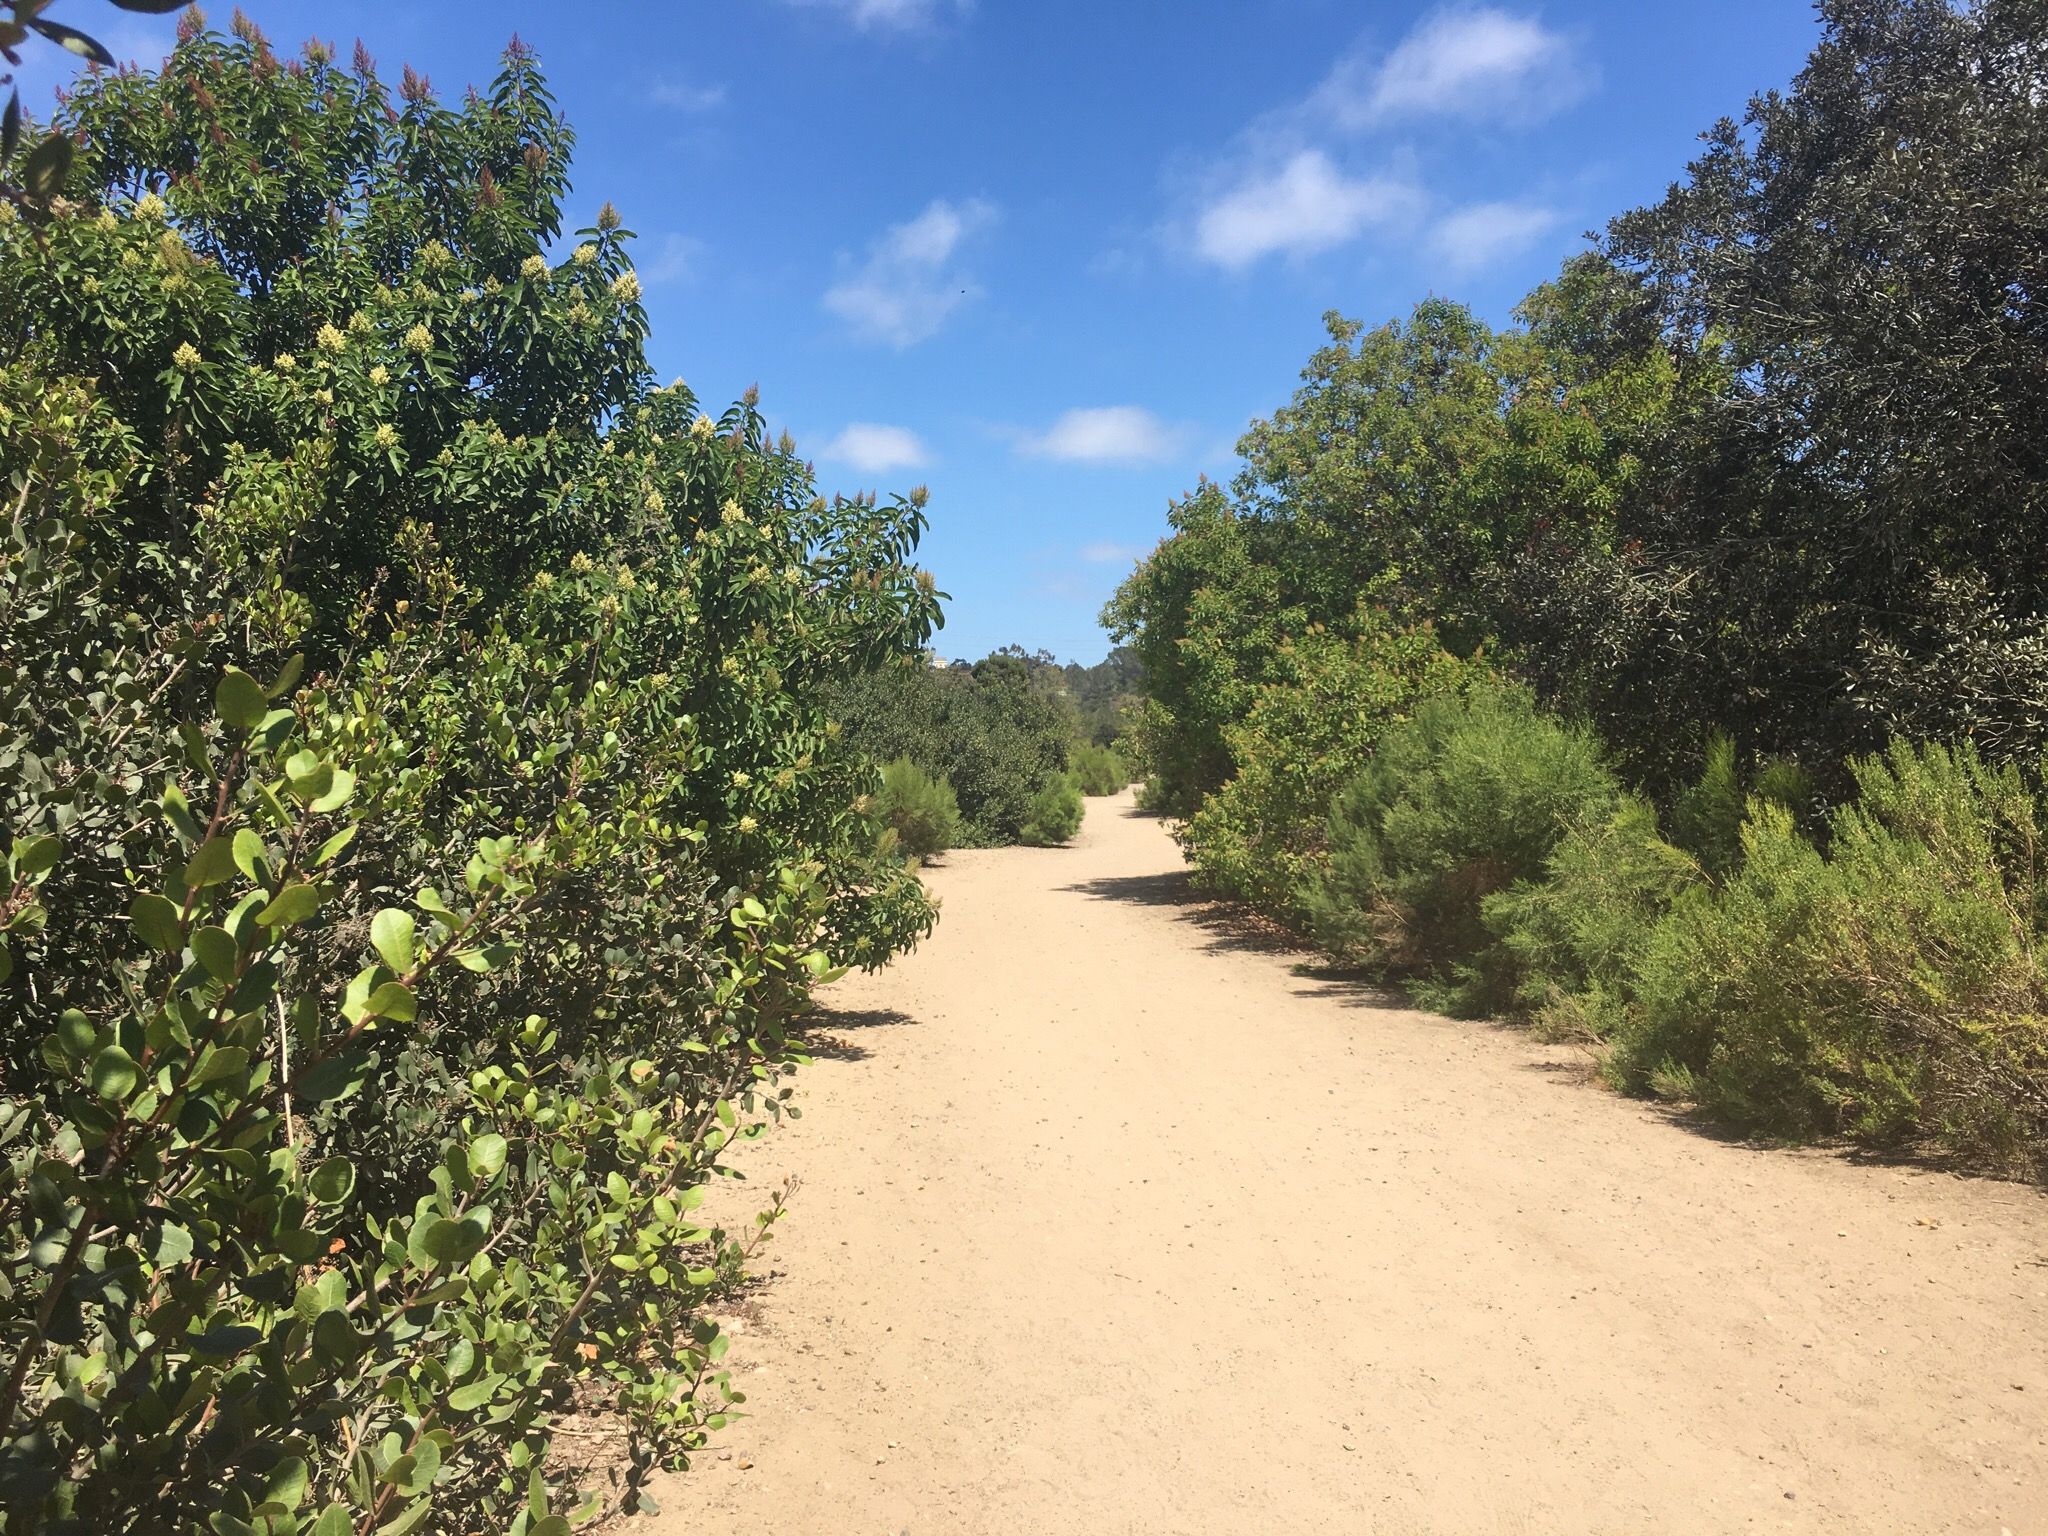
1050 257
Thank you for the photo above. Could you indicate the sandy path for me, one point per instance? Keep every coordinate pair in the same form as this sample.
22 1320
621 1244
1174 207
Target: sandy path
1111 1222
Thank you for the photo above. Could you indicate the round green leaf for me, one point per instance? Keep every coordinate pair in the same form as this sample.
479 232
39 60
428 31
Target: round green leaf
240 700
391 931
332 1181
157 921
114 1074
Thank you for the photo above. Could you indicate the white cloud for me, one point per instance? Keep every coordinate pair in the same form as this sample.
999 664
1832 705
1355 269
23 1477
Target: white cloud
669 258
1110 554
1461 62
889 15
688 98
1109 434
907 286
1306 205
875 449
1485 233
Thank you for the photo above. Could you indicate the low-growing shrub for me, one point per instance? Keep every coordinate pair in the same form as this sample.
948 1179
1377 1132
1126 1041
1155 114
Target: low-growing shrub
917 811
1098 771
1468 798
1260 838
1887 987
1054 815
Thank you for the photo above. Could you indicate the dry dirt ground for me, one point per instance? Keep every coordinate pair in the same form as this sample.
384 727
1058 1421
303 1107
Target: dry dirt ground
1114 1219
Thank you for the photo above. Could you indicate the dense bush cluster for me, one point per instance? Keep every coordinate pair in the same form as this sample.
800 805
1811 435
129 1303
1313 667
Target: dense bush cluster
999 734
424 821
1670 667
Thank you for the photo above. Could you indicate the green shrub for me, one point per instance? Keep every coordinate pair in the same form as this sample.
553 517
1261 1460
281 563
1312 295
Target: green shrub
1055 814
918 811
1887 987
994 731
421 822
1098 771
1468 798
1260 838
1575 937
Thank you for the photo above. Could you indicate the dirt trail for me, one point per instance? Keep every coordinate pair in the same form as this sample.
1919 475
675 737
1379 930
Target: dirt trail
1113 1222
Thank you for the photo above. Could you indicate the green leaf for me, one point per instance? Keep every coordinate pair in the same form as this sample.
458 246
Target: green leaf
240 700
332 1181
391 932
215 949
36 855
75 1034
291 671
250 853
309 775
114 1074
335 1078
169 1245
213 863
286 1483
220 1061
453 1242
335 1520
292 905
414 1516
333 846
46 167
157 922
394 1001
340 787
487 1154
467 1399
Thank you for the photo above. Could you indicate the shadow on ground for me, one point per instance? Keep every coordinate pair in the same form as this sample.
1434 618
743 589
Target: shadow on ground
824 1030
1229 927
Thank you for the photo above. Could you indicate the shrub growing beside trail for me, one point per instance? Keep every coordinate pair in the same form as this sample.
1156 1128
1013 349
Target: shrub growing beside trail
1469 797
1054 815
918 811
1261 838
1098 771
423 827
1887 986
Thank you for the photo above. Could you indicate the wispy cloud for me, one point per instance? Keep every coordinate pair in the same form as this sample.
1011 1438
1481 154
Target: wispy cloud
1301 207
1108 434
1485 233
908 285
669 258
1110 554
889 15
684 97
1294 182
874 448
1461 62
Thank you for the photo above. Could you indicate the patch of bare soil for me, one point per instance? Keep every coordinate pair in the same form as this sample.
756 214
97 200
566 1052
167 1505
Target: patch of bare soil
1114 1221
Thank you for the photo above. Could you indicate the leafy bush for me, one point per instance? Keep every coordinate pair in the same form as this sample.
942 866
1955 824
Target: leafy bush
1098 771
917 811
1261 837
1468 798
1055 814
1887 987
997 732
422 822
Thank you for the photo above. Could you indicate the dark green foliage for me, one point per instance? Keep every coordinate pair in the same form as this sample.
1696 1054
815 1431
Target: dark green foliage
1097 771
1054 815
423 827
1104 694
1887 987
1470 797
918 812
997 732
1310 733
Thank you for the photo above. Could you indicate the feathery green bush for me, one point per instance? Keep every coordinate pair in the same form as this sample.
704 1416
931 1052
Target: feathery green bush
1054 815
917 811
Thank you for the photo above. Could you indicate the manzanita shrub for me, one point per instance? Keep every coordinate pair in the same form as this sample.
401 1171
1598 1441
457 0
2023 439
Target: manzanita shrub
423 827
